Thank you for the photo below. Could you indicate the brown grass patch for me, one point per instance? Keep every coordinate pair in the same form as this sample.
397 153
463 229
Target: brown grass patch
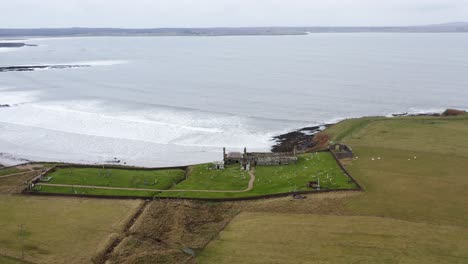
16 183
321 141
264 238
319 203
453 112
57 229
166 228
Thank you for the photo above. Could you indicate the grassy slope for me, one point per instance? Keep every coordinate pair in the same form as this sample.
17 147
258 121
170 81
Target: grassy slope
269 179
283 238
9 260
413 211
56 228
430 188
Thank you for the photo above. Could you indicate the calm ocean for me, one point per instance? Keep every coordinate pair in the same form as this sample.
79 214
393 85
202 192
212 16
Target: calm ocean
160 101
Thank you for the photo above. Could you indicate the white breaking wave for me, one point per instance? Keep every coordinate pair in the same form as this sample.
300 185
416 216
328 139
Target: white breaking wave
46 145
98 62
11 97
415 111
4 50
83 131
90 110
81 63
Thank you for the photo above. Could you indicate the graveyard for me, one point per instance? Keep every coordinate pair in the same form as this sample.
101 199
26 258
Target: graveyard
203 181
318 167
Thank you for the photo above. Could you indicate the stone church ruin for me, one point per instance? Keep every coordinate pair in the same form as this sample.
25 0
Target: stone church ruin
252 159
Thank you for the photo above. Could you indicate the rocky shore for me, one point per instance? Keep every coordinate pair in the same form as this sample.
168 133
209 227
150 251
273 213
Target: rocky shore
39 67
14 45
303 139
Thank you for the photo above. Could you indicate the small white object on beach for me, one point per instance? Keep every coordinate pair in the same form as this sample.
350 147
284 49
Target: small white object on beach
372 159
378 158
414 157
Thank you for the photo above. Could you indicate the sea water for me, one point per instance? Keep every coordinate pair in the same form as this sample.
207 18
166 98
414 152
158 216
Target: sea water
163 101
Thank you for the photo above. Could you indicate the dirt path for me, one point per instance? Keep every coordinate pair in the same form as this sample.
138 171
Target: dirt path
249 187
251 181
30 167
27 167
16 174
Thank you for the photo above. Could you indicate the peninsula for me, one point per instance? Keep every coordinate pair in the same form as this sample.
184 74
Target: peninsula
229 31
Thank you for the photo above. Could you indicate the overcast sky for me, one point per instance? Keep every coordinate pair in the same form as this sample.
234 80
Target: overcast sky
232 13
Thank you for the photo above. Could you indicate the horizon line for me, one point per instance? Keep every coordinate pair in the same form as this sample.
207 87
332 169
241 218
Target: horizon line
448 24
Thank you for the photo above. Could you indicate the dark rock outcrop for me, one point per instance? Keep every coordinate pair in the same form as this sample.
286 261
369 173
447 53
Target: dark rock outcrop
12 45
15 45
38 67
301 139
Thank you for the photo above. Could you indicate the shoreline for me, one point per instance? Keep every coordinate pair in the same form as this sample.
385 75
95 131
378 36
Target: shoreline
38 67
302 139
15 44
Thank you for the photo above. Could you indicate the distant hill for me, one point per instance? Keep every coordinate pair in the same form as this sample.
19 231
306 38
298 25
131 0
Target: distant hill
452 24
225 31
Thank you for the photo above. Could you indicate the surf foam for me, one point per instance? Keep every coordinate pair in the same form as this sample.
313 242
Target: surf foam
86 132
99 62
12 97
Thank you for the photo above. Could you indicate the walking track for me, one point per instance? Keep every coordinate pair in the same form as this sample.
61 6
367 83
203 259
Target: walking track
249 187
17 174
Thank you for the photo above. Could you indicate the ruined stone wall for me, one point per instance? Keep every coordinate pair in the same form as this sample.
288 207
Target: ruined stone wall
341 151
344 155
271 158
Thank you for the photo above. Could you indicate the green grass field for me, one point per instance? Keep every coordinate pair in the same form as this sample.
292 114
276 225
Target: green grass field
422 173
306 238
143 179
413 210
147 179
58 230
319 166
202 177
269 179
